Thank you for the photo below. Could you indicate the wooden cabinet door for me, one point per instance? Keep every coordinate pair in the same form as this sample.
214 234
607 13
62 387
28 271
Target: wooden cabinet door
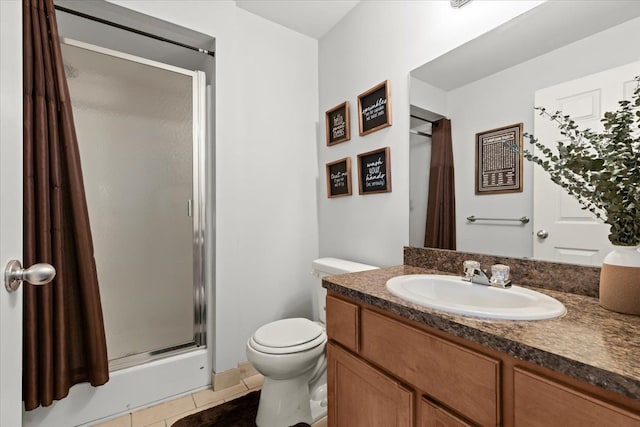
542 402
432 415
464 380
362 396
342 322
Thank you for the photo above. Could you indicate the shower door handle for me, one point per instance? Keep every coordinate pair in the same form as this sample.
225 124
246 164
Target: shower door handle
37 274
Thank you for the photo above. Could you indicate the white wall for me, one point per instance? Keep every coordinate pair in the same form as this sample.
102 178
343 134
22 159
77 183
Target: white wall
266 100
419 166
381 40
506 98
428 97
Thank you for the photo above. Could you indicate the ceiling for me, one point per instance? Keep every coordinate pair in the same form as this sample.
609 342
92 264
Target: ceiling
538 31
311 17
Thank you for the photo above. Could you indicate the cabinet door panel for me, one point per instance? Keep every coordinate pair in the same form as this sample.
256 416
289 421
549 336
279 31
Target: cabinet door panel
467 381
361 396
540 402
432 415
342 322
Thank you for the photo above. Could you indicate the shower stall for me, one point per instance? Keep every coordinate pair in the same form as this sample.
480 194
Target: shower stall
145 127
141 130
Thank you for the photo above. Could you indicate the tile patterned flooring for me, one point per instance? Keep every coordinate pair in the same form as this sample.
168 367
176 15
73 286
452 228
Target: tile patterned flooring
167 413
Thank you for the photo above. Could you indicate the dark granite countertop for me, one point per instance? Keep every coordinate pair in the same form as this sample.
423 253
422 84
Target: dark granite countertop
589 343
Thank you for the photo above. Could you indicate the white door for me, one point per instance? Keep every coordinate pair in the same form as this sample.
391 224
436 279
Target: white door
10 209
562 230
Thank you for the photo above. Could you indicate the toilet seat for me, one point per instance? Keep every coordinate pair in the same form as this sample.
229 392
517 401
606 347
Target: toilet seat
288 336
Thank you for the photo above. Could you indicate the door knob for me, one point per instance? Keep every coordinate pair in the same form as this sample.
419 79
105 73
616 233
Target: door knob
37 274
543 234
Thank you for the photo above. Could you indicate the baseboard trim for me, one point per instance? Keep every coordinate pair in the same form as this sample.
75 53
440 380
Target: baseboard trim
233 376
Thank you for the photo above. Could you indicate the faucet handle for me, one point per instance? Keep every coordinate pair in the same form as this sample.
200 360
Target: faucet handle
469 268
500 276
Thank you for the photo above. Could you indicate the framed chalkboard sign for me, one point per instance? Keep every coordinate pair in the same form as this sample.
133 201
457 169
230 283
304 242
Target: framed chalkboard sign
339 178
374 108
374 171
337 124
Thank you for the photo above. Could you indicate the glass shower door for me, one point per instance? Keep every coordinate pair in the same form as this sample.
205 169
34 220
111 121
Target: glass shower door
140 131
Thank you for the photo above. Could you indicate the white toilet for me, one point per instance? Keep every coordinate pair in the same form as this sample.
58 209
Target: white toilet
290 353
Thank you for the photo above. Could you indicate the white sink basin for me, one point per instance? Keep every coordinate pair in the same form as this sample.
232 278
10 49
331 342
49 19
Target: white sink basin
454 295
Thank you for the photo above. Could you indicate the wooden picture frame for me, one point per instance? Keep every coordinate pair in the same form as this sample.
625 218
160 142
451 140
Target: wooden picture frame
374 171
374 108
339 178
499 160
338 124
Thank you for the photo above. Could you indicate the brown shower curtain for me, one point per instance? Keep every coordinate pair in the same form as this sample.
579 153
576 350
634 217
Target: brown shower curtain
441 204
64 339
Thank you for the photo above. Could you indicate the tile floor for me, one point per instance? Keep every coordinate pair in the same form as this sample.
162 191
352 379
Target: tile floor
167 413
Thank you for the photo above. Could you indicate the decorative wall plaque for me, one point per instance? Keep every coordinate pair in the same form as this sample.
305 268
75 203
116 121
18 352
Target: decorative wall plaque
337 124
374 171
339 178
499 160
374 108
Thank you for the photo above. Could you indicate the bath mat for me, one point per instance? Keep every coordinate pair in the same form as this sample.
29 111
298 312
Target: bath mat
240 412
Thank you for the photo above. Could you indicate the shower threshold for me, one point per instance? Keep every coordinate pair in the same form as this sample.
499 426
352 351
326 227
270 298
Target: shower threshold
149 356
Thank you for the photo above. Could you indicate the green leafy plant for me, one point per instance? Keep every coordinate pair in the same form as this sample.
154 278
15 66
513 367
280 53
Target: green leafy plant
600 169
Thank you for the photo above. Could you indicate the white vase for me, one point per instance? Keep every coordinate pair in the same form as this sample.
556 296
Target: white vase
620 280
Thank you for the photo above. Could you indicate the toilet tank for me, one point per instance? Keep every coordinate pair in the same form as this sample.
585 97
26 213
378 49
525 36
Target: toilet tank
328 267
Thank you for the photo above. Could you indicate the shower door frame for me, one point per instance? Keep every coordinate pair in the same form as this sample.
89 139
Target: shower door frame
196 207
172 374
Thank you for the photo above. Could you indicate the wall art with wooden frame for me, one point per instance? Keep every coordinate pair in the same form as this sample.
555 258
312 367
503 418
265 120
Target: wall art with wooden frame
374 171
499 160
337 124
339 178
374 108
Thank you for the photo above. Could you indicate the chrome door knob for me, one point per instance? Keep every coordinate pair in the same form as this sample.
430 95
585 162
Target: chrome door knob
37 274
543 234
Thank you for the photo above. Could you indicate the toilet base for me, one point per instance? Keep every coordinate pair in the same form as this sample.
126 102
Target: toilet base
284 402
318 407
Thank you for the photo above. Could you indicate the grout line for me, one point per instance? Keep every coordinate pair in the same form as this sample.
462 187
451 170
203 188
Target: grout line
130 414
247 389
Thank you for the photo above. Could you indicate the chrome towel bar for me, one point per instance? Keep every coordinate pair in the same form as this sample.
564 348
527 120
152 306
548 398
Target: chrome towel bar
523 220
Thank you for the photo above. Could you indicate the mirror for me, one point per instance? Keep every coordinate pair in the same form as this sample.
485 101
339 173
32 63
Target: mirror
490 82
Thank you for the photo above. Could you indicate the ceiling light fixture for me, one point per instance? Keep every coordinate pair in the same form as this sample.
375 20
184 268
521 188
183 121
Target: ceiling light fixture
458 3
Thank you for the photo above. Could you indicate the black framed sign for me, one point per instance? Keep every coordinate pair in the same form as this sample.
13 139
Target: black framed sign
374 108
499 160
337 124
374 171
339 178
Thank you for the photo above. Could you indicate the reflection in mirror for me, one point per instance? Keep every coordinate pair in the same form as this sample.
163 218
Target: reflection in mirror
492 82
420 157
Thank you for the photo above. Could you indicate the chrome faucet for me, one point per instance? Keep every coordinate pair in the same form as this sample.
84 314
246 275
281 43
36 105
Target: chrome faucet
479 277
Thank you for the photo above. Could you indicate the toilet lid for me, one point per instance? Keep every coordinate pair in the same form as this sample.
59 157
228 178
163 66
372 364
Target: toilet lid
287 333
